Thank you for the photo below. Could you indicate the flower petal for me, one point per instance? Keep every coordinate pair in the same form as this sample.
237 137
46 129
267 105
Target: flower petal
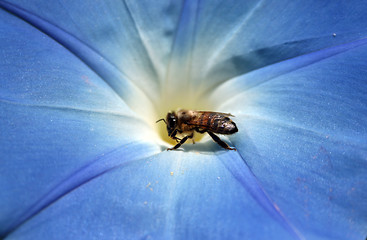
122 85
303 133
56 117
235 37
192 197
135 41
316 143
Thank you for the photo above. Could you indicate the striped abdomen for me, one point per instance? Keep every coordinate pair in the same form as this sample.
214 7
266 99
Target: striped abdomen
214 122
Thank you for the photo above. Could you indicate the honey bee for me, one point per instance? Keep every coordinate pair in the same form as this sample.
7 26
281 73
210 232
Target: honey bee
186 122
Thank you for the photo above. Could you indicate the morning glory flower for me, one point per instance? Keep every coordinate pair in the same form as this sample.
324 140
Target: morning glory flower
82 84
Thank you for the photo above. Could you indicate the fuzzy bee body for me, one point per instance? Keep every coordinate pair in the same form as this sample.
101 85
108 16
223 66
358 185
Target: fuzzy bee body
215 122
188 121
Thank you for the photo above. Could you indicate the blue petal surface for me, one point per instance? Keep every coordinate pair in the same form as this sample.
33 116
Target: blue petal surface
57 116
125 33
235 37
303 131
301 165
126 88
189 198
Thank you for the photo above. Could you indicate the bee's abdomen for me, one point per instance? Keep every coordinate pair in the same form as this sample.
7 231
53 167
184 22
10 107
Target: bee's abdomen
222 125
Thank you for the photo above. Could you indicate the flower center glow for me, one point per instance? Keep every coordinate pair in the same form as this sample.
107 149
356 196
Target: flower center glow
182 84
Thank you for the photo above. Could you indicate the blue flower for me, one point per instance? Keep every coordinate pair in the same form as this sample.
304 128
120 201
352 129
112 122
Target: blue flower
82 84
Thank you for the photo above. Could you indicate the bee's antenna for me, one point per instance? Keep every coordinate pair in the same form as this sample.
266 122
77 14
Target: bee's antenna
162 119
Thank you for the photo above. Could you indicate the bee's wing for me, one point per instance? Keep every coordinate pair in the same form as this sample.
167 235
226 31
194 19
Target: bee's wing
218 113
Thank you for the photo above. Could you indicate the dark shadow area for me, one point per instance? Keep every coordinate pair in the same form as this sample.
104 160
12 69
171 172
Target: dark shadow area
206 147
244 63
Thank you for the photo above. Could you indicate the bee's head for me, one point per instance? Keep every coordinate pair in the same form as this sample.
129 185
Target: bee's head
171 121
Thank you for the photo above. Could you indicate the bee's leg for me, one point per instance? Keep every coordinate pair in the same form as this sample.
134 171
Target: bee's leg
191 136
220 142
183 140
173 135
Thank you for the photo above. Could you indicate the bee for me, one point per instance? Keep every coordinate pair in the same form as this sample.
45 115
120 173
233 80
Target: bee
186 122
